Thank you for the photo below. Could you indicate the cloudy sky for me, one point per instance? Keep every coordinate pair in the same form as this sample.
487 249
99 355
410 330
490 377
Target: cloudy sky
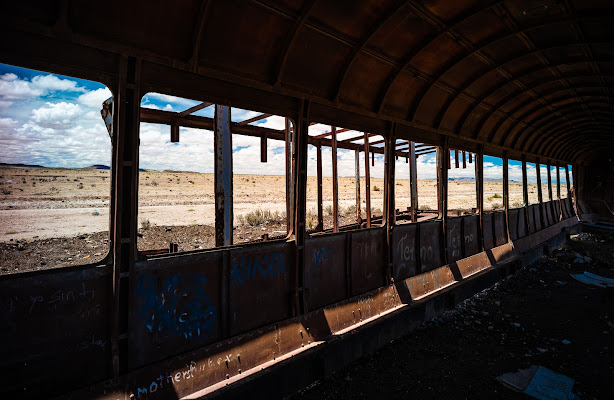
55 121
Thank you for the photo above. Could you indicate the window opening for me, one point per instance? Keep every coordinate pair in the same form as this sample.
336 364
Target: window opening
493 183
55 160
461 183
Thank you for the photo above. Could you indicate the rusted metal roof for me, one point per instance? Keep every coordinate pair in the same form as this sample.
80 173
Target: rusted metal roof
524 76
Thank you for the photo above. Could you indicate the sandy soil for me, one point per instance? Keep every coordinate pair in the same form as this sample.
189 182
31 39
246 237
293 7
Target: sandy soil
43 204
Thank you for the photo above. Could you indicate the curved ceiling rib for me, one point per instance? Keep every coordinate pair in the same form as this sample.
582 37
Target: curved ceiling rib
364 42
536 142
203 14
565 136
540 122
474 79
562 143
562 134
501 103
579 146
444 29
290 39
522 119
528 102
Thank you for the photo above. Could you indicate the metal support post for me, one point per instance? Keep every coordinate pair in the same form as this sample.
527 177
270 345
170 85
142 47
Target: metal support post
549 182
300 144
413 182
124 206
558 192
479 188
319 184
367 181
263 149
357 168
443 164
289 183
389 208
525 184
223 176
506 194
540 196
335 181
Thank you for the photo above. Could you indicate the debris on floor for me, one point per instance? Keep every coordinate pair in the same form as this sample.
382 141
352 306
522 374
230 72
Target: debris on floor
540 382
593 279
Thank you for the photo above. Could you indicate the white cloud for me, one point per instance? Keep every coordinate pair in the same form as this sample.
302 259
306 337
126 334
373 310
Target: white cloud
56 116
95 98
51 83
7 123
12 87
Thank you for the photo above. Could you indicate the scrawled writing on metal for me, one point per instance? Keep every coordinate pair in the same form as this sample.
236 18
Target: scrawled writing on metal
406 255
248 268
178 306
321 255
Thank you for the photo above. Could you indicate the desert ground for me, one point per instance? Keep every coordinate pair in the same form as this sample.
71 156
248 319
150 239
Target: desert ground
45 207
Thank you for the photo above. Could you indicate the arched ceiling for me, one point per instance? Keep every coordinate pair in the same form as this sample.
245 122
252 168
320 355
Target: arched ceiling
532 76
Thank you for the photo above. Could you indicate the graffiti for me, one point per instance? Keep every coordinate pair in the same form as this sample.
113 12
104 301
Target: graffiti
267 265
166 379
179 307
406 256
455 242
321 256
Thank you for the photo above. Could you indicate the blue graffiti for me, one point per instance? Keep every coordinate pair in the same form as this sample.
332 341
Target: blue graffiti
321 256
178 306
269 265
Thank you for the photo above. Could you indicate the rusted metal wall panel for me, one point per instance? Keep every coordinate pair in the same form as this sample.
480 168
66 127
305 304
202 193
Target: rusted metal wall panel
545 210
404 262
487 234
454 237
430 245
556 209
521 225
567 209
513 216
550 211
531 226
538 217
260 285
471 225
500 231
54 330
176 306
325 270
570 208
367 260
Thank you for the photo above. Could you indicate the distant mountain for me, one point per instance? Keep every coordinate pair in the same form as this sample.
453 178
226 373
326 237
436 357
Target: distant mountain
98 166
4 165
461 179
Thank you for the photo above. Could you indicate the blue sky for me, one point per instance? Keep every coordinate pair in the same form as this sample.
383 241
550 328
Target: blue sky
53 120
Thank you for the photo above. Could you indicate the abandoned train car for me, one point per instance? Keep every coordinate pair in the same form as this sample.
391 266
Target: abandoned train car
527 81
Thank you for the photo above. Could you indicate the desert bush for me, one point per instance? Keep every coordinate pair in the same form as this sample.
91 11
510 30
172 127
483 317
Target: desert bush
311 222
495 196
145 224
260 217
376 188
329 210
497 206
351 210
6 191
